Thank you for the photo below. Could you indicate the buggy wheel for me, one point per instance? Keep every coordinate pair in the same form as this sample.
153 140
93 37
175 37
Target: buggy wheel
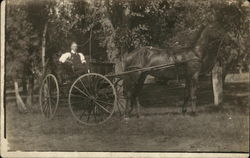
49 96
92 98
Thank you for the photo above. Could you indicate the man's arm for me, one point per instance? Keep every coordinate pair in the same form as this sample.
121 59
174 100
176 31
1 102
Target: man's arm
83 60
64 57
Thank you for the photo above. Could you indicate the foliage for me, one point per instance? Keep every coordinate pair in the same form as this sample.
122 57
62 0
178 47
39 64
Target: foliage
21 39
173 23
121 26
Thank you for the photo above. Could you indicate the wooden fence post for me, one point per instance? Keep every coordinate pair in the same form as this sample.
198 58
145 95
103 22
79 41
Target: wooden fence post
217 84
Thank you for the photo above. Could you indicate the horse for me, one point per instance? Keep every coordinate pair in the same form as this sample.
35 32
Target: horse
194 60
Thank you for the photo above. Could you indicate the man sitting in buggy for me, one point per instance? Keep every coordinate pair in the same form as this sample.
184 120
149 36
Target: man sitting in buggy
72 64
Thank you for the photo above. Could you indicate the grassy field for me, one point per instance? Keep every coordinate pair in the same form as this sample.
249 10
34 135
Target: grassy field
163 127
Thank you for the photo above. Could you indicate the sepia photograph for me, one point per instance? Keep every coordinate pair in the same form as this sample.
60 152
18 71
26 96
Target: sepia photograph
125 78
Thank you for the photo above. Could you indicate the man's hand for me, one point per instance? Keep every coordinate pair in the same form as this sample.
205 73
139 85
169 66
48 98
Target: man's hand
83 60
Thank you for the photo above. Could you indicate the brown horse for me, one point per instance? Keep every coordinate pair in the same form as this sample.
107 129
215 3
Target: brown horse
193 60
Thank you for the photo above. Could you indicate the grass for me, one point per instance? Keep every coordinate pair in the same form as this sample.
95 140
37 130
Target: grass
163 127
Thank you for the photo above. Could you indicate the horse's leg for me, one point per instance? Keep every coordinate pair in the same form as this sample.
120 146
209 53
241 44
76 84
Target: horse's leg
138 107
128 97
138 90
193 89
132 86
131 103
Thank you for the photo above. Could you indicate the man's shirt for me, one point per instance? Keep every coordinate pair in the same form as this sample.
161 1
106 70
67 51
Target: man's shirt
68 55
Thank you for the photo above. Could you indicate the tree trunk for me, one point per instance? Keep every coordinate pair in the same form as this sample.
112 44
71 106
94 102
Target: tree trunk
43 46
29 99
24 85
217 84
20 104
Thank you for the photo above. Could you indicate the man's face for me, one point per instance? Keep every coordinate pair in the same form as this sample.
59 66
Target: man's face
74 47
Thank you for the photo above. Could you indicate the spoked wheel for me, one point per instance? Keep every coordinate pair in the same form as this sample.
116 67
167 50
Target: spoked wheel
49 96
92 98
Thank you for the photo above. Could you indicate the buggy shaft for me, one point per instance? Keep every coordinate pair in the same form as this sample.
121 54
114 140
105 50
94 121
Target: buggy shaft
143 70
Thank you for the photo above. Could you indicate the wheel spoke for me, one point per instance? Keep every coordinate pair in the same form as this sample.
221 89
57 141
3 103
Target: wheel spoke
105 97
48 111
45 106
86 84
45 89
84 87
97 81
43 102
91 99
102 107
83 113
92 84
81 91
79 96
90 110
49 96
54 103
104 102
77 102
89 82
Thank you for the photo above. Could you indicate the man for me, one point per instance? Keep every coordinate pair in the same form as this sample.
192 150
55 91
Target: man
72 63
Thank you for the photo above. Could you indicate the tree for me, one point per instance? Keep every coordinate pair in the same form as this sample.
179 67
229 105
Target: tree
117 27
20 38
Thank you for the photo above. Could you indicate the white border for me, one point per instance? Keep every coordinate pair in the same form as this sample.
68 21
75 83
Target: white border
4 143
123 155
